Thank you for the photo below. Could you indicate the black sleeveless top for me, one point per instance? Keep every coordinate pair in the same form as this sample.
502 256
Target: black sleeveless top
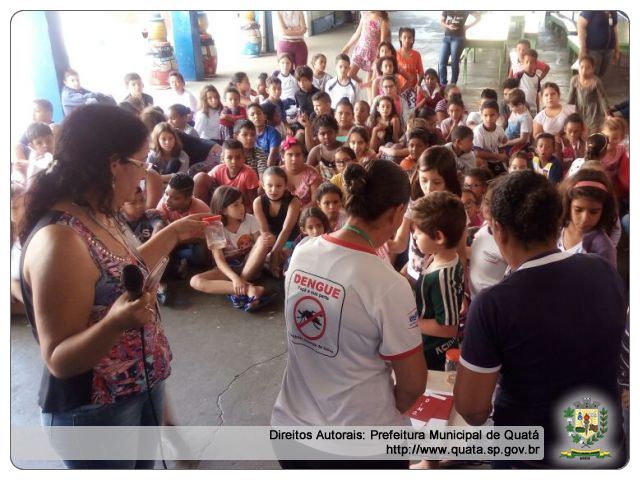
388 134
55 394
277 222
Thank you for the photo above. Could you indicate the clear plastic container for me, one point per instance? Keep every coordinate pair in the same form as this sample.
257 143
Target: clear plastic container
451 364
214 232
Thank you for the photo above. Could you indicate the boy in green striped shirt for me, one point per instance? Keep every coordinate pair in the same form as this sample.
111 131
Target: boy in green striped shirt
440 220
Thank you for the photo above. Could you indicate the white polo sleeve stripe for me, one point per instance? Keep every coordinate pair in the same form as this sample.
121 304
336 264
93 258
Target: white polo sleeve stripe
477 369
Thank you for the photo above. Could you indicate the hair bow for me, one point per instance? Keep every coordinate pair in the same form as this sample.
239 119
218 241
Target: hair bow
288 142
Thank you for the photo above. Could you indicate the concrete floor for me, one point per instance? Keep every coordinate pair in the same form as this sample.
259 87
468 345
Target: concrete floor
228 365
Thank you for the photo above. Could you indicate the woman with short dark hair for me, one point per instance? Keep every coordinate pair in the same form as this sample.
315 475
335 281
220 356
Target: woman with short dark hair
537 329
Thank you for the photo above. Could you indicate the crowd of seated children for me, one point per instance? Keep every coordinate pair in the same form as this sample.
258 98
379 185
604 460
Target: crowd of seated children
270 163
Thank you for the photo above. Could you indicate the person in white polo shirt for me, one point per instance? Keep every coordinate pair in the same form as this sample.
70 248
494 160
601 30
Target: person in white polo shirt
351 321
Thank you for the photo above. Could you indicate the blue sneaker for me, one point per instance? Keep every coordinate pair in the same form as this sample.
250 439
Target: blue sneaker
260 302
239 301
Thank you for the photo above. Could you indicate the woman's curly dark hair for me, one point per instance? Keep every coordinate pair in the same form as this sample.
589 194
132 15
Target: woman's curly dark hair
89 140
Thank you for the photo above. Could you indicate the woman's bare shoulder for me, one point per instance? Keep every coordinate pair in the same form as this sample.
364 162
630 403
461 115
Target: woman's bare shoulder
57 246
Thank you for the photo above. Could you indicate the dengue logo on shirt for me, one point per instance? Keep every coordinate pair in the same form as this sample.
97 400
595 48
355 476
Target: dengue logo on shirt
586 423
314 312
311 319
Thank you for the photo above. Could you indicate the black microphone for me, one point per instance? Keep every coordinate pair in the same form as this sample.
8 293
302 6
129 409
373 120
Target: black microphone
132 280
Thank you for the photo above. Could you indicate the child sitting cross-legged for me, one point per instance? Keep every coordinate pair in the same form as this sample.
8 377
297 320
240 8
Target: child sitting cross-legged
240 260
440 221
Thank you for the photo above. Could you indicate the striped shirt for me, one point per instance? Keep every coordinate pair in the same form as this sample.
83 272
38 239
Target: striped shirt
439 295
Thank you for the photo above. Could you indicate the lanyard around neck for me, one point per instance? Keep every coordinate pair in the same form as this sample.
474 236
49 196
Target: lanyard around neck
359 232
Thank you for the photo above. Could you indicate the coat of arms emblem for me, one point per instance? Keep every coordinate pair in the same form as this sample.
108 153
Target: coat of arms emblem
586 423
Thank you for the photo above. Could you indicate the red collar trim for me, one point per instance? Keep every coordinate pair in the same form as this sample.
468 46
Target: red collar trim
352 246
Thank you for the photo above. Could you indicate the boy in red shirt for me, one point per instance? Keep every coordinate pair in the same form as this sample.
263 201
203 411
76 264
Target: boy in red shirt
178 200
233 172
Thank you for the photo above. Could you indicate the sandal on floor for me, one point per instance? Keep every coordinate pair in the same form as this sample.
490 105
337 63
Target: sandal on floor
239 301
262 301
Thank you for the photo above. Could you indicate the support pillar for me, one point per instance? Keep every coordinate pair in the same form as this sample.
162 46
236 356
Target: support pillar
267 28
186 39
49 59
